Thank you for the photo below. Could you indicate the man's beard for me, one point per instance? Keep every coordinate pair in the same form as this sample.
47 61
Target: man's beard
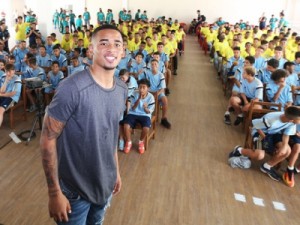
108 68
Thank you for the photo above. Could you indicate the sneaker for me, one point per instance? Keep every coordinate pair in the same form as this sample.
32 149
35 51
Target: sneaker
128 146
121 145
295 171
238 120
167 91
227 119
271 173
235 152
141 147
165 123
288 178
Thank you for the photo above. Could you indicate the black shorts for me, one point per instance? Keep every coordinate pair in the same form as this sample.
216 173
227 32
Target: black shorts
132 120
294 139
270 141
243 103
5 102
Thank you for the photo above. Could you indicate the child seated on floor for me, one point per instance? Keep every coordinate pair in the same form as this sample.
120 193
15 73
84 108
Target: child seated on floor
10 89
142 104
277 128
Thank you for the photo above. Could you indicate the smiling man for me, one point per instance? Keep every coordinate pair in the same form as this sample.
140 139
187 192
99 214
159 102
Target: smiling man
80 133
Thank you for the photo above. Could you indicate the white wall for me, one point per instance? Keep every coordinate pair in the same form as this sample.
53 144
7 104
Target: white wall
231 10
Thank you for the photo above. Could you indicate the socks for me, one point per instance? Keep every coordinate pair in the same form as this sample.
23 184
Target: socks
239 149
267 166
241 115
227 113
291 168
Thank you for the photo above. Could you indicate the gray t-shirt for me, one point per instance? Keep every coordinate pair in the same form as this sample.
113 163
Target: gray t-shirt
88 141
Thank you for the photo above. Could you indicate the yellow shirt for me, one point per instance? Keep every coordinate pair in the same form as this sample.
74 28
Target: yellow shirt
21 33
180 35
174 43
268 53
175 27
66 45
168 48
151 49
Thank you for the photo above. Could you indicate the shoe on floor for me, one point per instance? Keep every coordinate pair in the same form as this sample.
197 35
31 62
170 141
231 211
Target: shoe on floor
165 123
288 178
235 152
141 147
238 120
227 119
270 172
128 146
121 145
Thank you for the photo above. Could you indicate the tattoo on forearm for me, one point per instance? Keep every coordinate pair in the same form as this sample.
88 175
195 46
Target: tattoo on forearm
51 131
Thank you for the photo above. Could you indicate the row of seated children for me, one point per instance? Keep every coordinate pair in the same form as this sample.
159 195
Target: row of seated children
141 104
280 85
281 139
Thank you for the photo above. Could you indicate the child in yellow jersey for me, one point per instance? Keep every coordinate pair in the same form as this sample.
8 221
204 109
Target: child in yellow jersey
180 36
269 52
175 25
168 48
20 29
66 43
248 51
150 47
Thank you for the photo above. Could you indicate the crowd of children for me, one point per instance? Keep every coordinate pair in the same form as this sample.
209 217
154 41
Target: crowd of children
260 63
148 62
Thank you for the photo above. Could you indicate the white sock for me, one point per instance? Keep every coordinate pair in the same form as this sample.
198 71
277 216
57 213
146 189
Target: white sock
141 141
227 113
239 149
267 166
241 115
291 168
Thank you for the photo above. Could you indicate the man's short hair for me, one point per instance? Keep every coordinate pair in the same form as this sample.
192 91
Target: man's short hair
292 112
123 72
236 48
250 70
273 62
139 53
9 67
288 63
278 48
32 61
297 55
250 59
278 74
144 81
106 27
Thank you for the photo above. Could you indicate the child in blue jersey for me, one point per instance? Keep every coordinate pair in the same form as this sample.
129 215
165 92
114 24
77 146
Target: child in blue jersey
75 67
297 63
278 91
138 65
10 89
59 57
264 75
277 128
278 55
142 104
43 59
292 78
142 50
2 67
259 60
237 79
125 62
36 72
157 86
25 71
233 63
132 86
251 90
100 17
53 78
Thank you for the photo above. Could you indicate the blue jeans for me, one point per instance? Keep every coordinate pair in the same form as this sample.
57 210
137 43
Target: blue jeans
83 212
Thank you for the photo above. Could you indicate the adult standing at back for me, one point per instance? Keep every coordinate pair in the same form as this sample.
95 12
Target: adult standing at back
20 29
80 133
86 17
